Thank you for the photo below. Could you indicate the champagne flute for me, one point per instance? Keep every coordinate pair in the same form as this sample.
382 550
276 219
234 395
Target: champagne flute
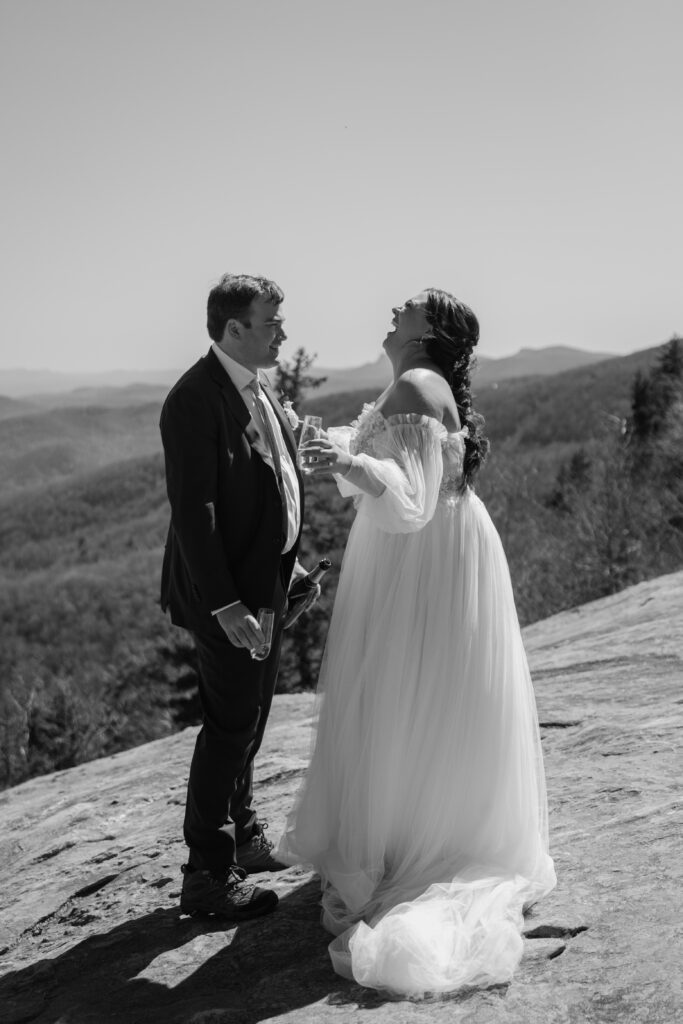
265 619
310 431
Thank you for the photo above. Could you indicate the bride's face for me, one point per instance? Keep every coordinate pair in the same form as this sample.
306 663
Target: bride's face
409 322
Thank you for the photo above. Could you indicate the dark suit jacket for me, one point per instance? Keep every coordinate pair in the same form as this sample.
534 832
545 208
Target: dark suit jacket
225 539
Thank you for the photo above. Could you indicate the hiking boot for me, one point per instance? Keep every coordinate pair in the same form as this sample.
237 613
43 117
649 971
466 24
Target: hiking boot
225 895
257 853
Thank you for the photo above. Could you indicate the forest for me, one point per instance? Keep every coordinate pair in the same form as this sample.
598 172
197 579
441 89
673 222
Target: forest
584 483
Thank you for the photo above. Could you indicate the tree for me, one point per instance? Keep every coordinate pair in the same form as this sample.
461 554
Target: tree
178 658
305 641
292 379
654 395
302 647
608 528
671 359
573 478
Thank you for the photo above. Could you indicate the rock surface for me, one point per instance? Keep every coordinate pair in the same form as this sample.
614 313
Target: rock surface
89 926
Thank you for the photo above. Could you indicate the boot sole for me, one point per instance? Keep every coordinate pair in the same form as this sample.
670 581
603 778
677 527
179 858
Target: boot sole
258 910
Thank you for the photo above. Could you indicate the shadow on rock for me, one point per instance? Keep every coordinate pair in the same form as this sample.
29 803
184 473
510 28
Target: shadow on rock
166 968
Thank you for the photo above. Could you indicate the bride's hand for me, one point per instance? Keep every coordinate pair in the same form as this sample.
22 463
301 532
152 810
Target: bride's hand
323 456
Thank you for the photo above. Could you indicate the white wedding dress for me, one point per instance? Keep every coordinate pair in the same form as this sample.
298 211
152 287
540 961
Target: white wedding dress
424 808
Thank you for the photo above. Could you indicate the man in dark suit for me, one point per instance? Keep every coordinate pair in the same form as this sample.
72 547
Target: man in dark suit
236 500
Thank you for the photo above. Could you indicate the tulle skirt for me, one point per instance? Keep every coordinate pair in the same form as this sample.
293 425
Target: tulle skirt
424 808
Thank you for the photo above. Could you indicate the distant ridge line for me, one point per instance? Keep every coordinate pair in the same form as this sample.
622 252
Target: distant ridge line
36 384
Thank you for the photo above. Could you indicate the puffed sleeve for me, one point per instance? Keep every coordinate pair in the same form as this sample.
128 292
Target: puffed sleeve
398 485
343 436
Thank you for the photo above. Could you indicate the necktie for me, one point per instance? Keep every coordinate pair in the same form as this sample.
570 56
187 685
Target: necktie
272 444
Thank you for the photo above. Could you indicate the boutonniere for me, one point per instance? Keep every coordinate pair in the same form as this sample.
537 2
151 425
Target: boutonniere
290 413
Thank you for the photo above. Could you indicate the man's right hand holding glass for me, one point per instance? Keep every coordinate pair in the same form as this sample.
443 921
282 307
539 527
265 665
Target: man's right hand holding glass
240 626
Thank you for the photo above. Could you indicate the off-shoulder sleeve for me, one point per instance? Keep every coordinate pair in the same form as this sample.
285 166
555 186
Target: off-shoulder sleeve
399 483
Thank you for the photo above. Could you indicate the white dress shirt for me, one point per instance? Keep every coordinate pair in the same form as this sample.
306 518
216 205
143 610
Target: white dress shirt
242 378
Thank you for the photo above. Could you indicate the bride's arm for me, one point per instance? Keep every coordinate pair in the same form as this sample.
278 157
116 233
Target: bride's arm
411 395
398 485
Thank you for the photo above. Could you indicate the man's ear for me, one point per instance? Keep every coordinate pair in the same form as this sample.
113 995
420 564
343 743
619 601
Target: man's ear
233 329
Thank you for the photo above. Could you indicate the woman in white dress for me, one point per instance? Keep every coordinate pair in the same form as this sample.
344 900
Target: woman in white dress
424 808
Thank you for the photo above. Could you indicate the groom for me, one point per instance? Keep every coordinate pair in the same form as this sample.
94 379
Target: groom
236 499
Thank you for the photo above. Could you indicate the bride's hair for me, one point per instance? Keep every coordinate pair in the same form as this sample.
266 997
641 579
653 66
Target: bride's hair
455 331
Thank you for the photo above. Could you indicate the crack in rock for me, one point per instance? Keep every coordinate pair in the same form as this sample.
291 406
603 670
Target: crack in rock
578 667
604 664
57 914
49 854
282 774
105 855
88 890
555 931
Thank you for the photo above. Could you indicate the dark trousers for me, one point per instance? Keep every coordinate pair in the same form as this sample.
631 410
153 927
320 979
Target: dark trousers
236 693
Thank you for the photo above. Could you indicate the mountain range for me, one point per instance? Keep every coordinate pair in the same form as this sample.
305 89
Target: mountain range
89 662
528 362
52 388
58 436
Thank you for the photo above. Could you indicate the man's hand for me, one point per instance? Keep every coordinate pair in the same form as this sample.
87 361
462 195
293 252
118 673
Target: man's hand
240 626
300 603
311 597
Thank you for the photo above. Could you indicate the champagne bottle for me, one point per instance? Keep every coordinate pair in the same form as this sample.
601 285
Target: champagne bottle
299 595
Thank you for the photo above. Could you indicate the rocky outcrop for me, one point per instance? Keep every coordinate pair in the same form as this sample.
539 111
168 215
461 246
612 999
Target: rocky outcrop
89 926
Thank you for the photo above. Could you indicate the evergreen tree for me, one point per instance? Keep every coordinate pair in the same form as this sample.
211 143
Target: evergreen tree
292 378
573 478
653 395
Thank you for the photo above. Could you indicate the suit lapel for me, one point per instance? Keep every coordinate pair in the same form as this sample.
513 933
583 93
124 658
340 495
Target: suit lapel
231 395
234 401
239 410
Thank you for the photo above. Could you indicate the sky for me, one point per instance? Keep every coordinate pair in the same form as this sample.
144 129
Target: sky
523 154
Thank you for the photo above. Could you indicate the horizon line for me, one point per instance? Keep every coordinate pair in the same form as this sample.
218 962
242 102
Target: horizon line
349 366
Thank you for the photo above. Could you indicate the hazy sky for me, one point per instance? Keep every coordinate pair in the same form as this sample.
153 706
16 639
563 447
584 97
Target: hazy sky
525 155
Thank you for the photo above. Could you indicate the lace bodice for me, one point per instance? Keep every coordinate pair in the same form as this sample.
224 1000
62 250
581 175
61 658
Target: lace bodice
371 424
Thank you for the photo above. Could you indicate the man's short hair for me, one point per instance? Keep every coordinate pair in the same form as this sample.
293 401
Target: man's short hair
232 297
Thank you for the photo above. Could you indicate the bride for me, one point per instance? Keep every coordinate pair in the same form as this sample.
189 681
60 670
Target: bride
424 808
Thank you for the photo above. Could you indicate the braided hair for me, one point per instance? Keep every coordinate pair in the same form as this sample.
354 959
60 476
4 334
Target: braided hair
455 331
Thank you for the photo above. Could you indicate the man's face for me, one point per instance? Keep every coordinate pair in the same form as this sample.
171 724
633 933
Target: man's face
258 344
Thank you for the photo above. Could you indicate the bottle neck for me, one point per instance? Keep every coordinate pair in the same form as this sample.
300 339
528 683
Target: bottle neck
315 575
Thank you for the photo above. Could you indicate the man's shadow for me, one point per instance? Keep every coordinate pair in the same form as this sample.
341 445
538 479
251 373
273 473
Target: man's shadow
164 968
